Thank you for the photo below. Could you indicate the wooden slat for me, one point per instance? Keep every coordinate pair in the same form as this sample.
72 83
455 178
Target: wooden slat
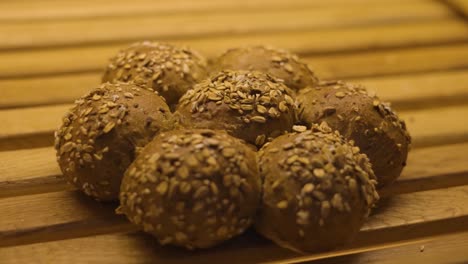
428 127
437 249
65 88
424 213
437 126
45 90
389 62
420 90
459 5
32 171
404 92
94 58
71 32
52 9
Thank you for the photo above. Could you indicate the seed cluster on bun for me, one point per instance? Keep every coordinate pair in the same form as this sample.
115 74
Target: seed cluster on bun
276 62
318 190
192 188
167 69
368 121
249 105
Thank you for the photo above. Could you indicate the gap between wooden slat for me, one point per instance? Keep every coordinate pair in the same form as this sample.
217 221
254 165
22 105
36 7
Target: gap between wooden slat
65 88
94 58
122 29
59 10
406 216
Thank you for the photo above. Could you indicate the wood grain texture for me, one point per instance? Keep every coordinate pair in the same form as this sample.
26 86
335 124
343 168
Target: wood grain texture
33 171
388 62
442 210
420 90
46 90
79 32
94 58
52 9
413 90
461 6
435 249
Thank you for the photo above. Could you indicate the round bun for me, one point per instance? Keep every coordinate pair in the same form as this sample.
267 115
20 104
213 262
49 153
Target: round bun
363 118
317 191
252 106
101 133
167 69
276 62
192 188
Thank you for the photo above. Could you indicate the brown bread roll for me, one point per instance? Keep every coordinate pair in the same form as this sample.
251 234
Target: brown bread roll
370 123
192 188
252 106
317 191
101 133
276 62
167 69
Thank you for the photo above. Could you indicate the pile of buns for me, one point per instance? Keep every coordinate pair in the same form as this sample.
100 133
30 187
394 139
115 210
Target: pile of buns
198 152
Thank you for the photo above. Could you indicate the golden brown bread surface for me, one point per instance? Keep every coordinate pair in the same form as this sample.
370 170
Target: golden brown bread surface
276 62
101 133
249 105
371 123
167 69
317 191
192 188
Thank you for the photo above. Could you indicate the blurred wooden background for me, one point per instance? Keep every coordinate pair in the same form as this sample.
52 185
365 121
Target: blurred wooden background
413 53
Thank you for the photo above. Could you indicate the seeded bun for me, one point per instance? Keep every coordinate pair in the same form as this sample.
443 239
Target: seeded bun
252 106
317 191
192 188
276 62
101 133
361 117
167 69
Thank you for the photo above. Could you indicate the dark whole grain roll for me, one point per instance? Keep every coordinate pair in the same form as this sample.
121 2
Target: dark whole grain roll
100 135
370 123
192 188
167 69
317 191
252 106
276 62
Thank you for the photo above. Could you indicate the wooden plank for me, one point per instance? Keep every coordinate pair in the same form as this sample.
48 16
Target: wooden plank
30 171
46 90
78 32
435 249
437 126
388 62
52 9
33 171
444 211
420 90
414 88
404 92
428 127
461 6
94 58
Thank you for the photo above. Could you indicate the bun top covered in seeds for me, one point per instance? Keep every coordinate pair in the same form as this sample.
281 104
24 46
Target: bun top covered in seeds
249 105
276 62
192 188
363 118
101 133
165 68
317 191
